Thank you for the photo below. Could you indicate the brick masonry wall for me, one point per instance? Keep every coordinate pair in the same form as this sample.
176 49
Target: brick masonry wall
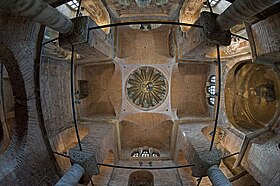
22 163
262 159
55 95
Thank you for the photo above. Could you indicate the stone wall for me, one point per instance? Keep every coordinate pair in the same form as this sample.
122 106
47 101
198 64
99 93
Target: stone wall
262 159
196 147
185 173
266 37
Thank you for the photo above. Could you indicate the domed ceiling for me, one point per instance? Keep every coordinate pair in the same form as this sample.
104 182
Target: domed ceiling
146 88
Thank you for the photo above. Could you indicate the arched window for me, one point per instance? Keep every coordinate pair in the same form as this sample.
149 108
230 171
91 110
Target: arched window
211 90
145 152
213 79
155 155
135 154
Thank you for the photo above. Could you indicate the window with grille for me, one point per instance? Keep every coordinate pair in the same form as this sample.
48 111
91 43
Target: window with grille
74 4
211 90
145 153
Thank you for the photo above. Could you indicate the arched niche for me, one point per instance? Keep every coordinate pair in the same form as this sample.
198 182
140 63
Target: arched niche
252 96
141 178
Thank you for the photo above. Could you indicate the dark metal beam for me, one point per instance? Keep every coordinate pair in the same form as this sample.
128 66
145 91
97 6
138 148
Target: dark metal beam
230 155
218 95
144 22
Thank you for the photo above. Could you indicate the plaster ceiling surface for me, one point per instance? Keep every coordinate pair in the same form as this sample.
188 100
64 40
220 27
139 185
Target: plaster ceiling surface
168 9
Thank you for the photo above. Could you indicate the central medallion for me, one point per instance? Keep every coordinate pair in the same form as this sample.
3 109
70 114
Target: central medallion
146 88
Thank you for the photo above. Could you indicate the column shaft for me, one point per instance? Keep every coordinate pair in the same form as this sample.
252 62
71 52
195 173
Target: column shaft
217 177
39 11
72 176
241 10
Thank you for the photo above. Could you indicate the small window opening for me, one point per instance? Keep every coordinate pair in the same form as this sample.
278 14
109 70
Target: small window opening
145 152
211 90
74 4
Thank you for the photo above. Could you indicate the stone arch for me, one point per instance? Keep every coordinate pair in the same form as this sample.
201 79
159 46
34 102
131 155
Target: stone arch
142 177
20 98
11 157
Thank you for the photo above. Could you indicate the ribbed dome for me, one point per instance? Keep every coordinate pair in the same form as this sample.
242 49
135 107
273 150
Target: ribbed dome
146 88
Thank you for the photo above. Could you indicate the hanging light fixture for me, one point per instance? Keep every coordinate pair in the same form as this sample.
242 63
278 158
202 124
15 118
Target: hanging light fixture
161 2
125 2
143 3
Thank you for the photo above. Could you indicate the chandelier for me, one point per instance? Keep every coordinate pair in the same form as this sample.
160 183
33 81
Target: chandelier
142 3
